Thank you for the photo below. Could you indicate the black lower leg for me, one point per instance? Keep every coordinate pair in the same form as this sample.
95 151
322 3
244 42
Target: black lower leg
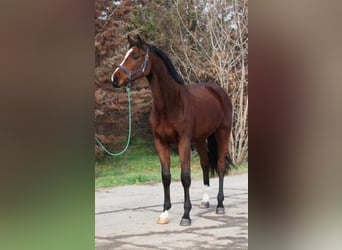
205 170
166 179
186 182
220 195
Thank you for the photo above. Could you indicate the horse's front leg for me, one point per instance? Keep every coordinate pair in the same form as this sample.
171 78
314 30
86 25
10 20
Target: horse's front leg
184 149
164 156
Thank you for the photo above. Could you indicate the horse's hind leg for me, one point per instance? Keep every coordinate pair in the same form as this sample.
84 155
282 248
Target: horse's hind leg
201 147
222 137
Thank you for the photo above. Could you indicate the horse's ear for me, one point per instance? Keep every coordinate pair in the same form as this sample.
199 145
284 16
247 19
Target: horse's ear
130 40
140 41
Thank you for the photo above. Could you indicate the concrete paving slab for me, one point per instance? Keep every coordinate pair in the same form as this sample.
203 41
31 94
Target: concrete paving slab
125 217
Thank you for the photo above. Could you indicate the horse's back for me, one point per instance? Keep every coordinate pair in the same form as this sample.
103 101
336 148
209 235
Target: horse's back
207 93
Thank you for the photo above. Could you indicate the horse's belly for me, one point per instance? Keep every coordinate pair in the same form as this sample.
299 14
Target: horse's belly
206 124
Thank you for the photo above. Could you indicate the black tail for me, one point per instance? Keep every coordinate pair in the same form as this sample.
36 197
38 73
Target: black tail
213 156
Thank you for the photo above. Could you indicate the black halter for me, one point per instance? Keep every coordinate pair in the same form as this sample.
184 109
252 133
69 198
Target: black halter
140 69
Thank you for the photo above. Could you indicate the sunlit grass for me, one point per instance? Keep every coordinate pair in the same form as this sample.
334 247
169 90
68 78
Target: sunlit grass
140 164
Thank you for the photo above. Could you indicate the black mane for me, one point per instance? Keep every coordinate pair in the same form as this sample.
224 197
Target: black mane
168 64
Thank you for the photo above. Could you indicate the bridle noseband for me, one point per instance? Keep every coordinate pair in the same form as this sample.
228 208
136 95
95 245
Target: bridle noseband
142 68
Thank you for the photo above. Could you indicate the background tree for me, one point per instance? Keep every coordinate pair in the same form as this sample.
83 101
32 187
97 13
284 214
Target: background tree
206 40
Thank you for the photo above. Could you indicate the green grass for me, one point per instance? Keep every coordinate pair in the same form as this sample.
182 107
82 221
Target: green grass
140 164
241 169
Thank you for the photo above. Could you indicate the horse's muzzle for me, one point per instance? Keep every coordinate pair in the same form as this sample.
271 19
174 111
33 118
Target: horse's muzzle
115 82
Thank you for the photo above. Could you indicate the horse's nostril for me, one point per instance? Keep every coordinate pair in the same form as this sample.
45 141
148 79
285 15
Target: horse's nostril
115 82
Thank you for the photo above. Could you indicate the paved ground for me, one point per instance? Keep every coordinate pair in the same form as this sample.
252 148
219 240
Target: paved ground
126 217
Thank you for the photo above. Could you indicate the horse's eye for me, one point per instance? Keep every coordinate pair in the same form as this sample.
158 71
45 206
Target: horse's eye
136 56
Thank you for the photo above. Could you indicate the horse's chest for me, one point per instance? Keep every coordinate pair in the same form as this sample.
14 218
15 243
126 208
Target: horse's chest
166 131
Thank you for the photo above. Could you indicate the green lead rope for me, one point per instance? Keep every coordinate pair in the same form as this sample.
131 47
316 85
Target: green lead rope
129 129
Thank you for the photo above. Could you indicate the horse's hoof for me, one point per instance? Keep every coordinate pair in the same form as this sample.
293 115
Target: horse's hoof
204 204
220 210
163 220
185 222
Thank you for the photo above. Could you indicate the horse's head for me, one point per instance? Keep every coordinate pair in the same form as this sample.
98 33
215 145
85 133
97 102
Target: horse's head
135 64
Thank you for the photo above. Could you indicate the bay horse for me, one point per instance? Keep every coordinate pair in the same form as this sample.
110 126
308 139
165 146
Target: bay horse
181 115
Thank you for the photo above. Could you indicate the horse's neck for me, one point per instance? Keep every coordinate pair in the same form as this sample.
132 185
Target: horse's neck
166 92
